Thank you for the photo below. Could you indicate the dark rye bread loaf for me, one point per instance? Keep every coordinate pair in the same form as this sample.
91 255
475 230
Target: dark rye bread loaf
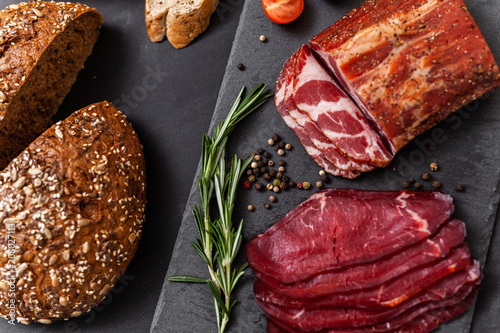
43 46
73 202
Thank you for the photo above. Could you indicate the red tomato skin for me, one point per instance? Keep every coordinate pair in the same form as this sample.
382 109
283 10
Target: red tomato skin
297 7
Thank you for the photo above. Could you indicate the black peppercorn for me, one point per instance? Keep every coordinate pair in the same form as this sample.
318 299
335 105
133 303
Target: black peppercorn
276 137
279 175
425 176
249 172
273 173
260 164
459 187
283 186
285 179
256 172
281 163
406 184
281 144
264 170
291 184
417 185
264 160
436 184
267 154
325 179
259 186
267 176
411 180
241 66
261 151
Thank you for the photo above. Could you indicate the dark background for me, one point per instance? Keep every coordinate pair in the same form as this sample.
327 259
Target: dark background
170 117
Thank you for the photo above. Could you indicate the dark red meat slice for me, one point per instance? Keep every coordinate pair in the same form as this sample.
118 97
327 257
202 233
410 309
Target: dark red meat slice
408 64
388 294
333 113
281 85
375 273
336 228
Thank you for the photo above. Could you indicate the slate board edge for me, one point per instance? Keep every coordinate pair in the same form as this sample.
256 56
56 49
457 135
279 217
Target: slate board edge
194 197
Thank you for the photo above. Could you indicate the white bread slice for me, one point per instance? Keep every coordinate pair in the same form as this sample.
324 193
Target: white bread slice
180 20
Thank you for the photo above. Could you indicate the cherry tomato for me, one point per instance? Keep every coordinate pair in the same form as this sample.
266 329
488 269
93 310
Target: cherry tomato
282 11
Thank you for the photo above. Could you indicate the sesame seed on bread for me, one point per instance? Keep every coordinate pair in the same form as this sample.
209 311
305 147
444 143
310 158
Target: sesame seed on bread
43 46
74 203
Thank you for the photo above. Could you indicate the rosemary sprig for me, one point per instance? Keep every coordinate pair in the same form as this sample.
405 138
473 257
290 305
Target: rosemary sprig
219 241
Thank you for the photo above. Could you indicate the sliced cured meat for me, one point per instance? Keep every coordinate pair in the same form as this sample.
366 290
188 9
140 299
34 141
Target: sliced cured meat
322 143
375 273
336 228
334 114
388 294
408 64
309 146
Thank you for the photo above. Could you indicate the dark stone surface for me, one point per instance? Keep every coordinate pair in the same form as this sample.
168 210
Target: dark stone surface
169 97
465 147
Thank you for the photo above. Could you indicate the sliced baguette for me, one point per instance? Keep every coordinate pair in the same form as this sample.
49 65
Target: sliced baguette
72 205
179 20
43 46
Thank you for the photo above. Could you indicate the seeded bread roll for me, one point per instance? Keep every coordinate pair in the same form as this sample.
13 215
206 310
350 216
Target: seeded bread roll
43 46
72 204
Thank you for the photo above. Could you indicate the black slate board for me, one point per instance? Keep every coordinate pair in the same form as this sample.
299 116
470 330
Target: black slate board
464 146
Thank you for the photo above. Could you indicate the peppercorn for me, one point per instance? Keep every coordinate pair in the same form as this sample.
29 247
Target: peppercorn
325 179
319 184
267 206
434 166
276 148
281 144
285 179
272 198
264 170
262 38
264 160
251 178
250 208
411 180
256 157
253 165
281 169
270 142
253 154
272 173
247 184
270 187
276 137
436 184
281 163
417 185
459 187
260 151
276 182
270 163
256 172
258 186
288 146
260 164
306 185
425 176
267 176
249 172
322 172
279 175
406 184
283 186
241 66
276 189
267 154
300 186
291 184
281 152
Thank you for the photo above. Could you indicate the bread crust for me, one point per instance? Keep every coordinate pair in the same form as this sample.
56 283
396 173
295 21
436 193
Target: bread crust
43 46
179 23
76 197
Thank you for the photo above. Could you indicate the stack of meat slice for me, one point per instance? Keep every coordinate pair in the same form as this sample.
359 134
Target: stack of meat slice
406 64
364 261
